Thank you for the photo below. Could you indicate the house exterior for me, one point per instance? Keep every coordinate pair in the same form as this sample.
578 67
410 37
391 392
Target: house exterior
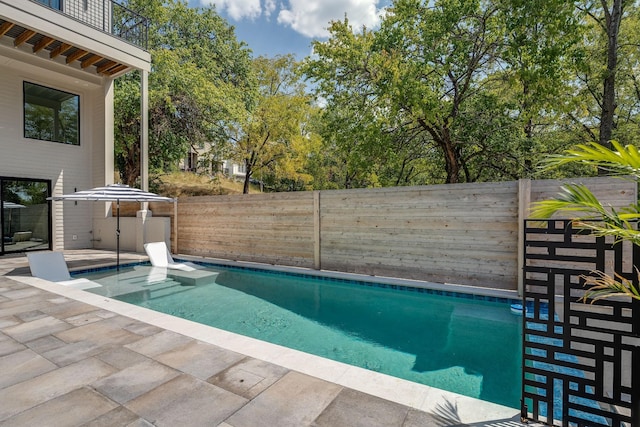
234 170
58 63
193 163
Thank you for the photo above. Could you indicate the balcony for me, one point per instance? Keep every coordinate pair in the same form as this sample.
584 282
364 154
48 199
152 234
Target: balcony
105 15
98 36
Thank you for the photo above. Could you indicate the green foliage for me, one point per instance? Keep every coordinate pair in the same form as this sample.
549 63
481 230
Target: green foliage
578 201
267 140
623 161
470 90
200 84
127 127
464 79
441 91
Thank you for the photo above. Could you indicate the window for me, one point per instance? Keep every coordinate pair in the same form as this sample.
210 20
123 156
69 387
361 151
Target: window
54 4
51 115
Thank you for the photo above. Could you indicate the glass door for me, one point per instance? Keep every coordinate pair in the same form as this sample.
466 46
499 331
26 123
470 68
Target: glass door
26 215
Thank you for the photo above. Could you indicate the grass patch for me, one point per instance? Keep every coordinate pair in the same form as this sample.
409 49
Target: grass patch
183 184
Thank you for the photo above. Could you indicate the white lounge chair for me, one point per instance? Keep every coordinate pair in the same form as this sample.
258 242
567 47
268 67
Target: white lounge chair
159 256
51 266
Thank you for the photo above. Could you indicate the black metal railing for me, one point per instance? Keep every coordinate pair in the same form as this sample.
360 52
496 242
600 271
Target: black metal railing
581 361
109 16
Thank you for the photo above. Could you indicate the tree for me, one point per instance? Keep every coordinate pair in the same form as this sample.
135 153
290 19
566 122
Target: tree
576 199
627 122
201 83
127 127
607 17
541 38
420 68
267 136
352 119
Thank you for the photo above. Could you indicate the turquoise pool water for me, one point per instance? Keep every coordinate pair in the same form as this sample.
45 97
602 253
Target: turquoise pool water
467 346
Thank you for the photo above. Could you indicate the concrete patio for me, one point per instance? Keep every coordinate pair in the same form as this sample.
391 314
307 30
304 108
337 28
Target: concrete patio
70 358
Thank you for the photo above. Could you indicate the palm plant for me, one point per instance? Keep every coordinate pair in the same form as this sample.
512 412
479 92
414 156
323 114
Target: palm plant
577 199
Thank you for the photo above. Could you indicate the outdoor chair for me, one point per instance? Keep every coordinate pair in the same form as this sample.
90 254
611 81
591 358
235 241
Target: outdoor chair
159 256
51 266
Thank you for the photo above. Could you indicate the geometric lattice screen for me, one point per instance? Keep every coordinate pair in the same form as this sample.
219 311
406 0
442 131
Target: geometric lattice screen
581 361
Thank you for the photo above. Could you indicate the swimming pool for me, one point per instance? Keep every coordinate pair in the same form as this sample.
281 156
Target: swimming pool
453 342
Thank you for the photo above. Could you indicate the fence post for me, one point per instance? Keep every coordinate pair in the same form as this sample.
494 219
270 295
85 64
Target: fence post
317 264
175 226
524 200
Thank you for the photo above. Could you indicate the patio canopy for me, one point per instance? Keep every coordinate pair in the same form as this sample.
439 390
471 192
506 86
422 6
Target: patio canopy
11 205
113 193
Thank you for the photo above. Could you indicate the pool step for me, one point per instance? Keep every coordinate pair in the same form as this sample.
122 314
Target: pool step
146 275
167 287
157 286
193 277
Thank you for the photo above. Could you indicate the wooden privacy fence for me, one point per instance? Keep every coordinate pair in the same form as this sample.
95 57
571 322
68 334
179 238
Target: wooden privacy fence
466 234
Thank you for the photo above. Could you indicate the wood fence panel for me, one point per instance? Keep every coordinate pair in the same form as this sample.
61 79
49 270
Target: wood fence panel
455 234
616 192
611 192
465 233
267 228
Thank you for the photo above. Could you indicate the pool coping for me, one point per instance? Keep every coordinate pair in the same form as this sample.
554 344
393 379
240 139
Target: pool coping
418 396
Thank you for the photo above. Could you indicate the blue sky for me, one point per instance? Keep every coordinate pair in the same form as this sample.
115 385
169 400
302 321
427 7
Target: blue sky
278 27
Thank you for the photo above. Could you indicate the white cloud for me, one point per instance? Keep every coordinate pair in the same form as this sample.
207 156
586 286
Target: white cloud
311 17
269 7
307 17
237 9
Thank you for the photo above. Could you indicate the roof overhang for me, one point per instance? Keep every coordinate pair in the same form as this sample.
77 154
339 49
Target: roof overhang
31 27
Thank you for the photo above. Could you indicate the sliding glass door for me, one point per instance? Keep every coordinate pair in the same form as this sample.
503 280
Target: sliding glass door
26 215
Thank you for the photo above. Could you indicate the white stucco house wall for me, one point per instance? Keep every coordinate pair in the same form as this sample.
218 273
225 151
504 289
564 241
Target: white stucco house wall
58 63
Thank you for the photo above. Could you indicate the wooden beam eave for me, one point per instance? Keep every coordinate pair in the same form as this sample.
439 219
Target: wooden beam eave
76 55
56 48
60 50
44 42
23 37
91 60
106 67
5 27
115 70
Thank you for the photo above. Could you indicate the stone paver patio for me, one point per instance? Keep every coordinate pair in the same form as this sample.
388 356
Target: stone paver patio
65 362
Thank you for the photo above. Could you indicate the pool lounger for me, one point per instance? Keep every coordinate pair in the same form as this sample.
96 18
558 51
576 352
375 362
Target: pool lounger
159 256
51 266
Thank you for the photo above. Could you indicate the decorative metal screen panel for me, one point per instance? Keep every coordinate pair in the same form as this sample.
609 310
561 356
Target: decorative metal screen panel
581 361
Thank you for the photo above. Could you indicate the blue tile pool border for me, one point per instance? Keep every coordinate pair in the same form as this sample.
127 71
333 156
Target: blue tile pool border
380 284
